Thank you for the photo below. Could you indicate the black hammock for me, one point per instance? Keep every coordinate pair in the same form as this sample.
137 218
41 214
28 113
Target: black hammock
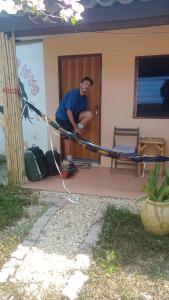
96 148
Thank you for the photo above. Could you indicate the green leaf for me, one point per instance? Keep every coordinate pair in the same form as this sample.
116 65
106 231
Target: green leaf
73 21
164 193
156 191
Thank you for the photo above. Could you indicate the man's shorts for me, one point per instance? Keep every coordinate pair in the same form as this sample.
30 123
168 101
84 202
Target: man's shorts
66 125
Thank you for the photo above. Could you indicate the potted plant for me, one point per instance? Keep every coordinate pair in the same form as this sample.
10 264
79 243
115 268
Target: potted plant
154 206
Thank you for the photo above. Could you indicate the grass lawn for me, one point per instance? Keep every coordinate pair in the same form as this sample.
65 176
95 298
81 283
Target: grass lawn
127 261
19 208
12 203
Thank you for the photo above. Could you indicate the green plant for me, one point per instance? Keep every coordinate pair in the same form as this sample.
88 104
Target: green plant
127 261
2 158
156 190
13 201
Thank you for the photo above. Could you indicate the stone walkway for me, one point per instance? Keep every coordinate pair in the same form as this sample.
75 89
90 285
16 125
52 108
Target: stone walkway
57 250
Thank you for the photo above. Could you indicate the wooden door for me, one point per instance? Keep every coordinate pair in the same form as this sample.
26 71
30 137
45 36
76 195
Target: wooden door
71 70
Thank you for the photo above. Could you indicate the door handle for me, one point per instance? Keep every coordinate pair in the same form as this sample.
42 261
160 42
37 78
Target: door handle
97 110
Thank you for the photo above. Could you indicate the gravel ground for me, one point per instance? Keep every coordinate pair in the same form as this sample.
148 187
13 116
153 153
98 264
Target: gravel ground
52 260
69 226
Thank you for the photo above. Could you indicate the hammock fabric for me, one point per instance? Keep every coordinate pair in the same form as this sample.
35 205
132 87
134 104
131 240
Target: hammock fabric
96 148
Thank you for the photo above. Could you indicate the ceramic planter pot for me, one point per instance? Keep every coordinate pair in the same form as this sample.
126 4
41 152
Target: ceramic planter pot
155 216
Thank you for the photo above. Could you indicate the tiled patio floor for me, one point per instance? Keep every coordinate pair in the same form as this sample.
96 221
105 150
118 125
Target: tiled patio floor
122 183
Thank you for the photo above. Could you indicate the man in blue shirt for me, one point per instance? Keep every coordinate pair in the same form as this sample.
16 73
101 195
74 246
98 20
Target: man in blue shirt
72 113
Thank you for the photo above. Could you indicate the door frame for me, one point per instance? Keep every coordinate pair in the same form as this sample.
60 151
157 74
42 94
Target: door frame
60 57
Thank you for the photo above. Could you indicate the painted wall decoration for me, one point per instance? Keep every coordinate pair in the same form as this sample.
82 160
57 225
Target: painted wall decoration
32 87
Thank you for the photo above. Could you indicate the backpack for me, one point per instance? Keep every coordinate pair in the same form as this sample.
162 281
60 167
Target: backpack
35 164
53 158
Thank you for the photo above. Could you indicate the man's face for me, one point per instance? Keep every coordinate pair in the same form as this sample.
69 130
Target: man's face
84 87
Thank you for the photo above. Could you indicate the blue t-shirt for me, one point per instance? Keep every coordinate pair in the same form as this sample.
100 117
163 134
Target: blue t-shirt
71 101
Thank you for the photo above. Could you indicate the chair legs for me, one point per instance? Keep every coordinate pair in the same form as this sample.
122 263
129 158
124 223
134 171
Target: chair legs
113 165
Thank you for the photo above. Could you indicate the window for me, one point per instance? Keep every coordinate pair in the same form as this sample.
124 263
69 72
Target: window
152 87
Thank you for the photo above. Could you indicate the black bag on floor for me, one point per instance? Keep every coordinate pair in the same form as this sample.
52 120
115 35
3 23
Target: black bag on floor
51 157
35 164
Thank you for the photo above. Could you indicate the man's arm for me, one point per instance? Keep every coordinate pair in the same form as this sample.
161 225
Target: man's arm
72 121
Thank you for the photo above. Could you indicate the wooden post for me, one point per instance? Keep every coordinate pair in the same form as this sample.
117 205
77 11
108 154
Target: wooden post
12 111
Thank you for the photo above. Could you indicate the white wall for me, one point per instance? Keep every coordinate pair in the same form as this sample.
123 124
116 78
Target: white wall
31 72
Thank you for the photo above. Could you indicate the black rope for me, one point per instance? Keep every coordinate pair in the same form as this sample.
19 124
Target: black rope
96 148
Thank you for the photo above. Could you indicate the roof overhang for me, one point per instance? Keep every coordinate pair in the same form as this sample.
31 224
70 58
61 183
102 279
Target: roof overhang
118 16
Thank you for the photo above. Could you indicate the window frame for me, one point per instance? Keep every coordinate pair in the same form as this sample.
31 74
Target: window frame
137 58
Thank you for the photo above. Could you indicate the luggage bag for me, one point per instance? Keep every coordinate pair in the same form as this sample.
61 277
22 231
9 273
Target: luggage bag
35 164
53 161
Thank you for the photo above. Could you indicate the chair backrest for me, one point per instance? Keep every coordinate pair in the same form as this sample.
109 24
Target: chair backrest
125 133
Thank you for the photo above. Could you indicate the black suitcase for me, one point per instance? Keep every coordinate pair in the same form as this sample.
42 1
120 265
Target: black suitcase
36 164
53 161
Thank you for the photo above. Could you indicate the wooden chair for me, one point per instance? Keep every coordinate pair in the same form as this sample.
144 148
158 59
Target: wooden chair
125 140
